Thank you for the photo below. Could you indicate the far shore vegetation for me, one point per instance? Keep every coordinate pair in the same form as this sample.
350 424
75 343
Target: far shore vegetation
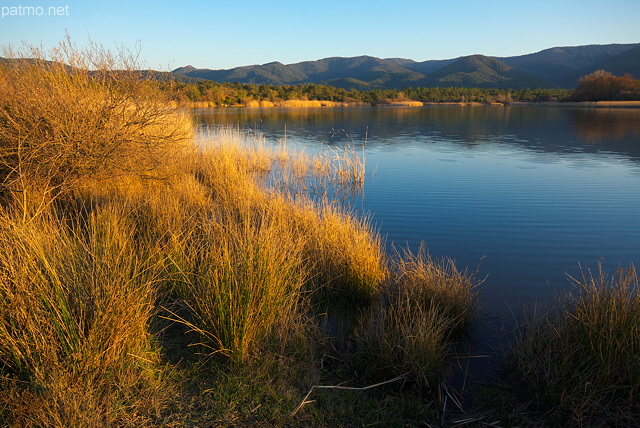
598 86
213 94
155 276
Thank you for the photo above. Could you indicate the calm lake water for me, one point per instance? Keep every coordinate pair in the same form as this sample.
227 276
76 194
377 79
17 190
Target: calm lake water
525 192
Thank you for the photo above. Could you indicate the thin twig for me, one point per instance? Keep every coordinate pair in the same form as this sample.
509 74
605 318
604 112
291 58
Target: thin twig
350 388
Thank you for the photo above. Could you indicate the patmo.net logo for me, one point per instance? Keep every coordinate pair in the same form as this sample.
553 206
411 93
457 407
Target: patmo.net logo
19 10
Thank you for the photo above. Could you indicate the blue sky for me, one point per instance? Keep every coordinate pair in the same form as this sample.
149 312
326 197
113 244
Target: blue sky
225 34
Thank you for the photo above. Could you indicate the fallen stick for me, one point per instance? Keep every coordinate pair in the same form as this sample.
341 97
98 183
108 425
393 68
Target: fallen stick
350 388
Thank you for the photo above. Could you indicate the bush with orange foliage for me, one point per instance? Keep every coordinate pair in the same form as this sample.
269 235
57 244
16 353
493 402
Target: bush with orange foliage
604 86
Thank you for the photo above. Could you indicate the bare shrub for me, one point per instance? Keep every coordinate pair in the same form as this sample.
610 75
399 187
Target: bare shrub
69 115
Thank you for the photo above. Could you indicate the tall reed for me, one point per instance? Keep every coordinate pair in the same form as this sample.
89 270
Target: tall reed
245 278
342 251
579 359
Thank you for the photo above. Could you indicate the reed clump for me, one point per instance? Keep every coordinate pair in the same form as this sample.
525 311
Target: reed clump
578 361
76 301
426 306
252 258
242 279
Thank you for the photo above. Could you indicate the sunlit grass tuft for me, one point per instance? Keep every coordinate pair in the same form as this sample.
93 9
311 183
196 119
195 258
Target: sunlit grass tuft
244 280
344 253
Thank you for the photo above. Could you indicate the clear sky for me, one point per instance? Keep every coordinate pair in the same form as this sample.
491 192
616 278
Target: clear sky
225 34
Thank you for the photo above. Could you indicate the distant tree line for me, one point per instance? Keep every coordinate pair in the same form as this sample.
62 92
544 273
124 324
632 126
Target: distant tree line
598 86
229 94
604 86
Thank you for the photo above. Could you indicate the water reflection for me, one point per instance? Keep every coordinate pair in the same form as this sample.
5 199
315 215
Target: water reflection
542 129
602 126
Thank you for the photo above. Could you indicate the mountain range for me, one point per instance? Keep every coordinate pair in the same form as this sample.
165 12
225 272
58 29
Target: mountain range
558 67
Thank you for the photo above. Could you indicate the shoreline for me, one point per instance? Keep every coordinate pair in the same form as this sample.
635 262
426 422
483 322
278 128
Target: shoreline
409 103
593 104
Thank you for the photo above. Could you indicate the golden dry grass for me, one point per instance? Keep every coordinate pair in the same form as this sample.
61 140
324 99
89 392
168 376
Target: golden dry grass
114 219
74 316
264 244
293 103
308 103
78 281
406 103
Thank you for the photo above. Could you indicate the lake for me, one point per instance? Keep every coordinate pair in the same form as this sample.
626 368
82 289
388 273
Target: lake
525 192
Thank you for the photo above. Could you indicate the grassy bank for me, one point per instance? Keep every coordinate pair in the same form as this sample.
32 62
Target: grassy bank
151 278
